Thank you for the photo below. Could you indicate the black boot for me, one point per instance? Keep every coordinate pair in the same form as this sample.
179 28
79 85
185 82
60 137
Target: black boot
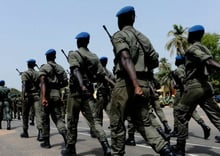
46 143
69 151
0 124
163 134
24 134
32 123
167 128
92 133
206 129
40 136
217 139
130 141
167 151
106 148
8 125
174 132
179 148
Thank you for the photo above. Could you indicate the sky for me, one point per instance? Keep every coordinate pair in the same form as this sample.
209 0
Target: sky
29 28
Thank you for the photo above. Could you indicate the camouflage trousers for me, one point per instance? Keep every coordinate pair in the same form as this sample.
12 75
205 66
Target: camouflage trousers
54 110
124 103
32 101
196 93
75 104
5 110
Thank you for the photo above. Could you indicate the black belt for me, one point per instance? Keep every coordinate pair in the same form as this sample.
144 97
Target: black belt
140 75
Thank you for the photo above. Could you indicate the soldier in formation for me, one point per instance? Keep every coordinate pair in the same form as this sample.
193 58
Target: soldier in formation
31 98
52 78
5 105
85 69
130 95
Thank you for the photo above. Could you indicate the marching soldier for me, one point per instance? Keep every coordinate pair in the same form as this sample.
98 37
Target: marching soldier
5 105
31 98
197 90
130 95
85 69
52 78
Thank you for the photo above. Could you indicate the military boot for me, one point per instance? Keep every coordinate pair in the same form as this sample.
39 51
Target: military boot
167 151
0 124
163 134
167 128
130 141
106 148
46 143
69 151
217 139
179 148
40 136
206 129
8 125
92 133
24 134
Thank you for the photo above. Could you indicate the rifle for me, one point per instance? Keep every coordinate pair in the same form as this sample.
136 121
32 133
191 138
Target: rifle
20 73
65 54
37 66
109 35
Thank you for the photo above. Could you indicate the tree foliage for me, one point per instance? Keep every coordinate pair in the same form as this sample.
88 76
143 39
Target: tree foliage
178 43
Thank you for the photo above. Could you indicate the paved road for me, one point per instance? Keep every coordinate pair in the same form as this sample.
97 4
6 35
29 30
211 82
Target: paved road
12 145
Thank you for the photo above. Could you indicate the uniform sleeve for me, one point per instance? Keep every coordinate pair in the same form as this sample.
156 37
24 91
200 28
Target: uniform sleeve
73 60
119 42
198 54
43 70
24 76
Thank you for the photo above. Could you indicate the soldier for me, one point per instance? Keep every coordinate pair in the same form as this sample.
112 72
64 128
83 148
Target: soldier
5 105
18 103
31 98
86 69
130 95
197 90
178 76
103 94
52 78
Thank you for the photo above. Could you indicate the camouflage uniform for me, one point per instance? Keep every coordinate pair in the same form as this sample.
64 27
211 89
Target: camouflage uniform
5 105
197 90
31 99
123 98
51 71
178 74
77 102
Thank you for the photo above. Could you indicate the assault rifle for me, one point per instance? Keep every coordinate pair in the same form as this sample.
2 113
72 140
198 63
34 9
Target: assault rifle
65 55
20 73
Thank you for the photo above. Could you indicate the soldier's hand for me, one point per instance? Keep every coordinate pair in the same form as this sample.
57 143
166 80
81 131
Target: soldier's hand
138 91
44 102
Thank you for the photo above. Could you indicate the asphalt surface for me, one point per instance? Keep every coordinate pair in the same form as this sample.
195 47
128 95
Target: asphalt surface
12 145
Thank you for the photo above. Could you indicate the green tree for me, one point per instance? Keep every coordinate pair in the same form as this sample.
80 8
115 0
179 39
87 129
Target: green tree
163 75
178 43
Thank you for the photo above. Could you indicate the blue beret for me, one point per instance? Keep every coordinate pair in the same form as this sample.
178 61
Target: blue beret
2 82
125 10
196 28
104 58
31 61
179 57
50 51
82 35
